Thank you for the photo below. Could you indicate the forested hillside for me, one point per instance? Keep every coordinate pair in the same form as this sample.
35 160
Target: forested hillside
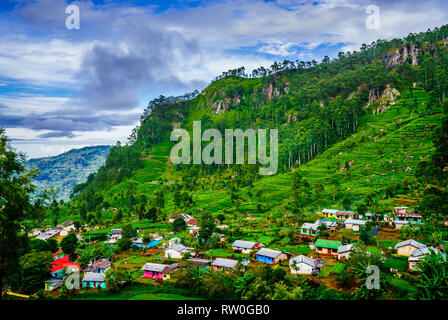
353 131
65 171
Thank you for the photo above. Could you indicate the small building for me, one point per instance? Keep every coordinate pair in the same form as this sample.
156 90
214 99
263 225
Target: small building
93 280
354 224
174 241
115 234
223 264
189 220
417 255
406 248
270 256
303 265
49 234
177 251
245 247
311 230
344 251
53 284
327 247
62 266
99 266
158 271
403 216
201 263
66 228
339 214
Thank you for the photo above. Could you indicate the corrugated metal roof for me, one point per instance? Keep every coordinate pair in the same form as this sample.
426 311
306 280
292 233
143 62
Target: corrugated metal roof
157 267
93 276
410 242
228 263
302 259
244 244
268 253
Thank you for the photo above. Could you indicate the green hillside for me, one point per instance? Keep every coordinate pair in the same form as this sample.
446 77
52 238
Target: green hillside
354 128
63 172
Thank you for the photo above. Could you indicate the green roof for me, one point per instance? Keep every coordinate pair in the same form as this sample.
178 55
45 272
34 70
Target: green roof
330 244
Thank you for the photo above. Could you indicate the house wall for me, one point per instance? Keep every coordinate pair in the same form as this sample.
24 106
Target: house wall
344 255
265 259
155 275
242 250
173 254
326 251
406 250
93 285
301 268
281 257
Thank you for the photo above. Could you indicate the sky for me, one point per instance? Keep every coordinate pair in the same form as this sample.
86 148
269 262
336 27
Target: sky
64 88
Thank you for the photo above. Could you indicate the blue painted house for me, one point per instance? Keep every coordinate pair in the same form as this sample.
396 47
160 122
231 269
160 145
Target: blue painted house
93 280
270 256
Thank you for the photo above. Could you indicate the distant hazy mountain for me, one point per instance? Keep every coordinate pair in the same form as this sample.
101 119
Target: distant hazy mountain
66 170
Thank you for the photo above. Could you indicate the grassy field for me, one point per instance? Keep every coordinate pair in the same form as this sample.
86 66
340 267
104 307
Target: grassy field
137 292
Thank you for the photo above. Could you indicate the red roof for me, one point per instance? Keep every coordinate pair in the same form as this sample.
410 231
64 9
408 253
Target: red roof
62 263
192 221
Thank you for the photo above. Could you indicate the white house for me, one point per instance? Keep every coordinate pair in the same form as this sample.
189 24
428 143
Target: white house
245 247
302 265
419 254
354 224
344 251
177 251
406 248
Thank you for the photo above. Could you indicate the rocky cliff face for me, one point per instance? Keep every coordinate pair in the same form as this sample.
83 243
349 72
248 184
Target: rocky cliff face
399 56
386 98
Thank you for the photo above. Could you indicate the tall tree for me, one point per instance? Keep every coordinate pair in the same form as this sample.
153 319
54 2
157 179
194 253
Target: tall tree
15 207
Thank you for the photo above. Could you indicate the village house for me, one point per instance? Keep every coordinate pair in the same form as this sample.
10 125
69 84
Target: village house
114 235
354 224
404 217
62 266
327 247
189 220
311 230
53 284
417 255
177 251
158 271
223 264
194 230
49 234
270 256
66 228
303 265
201 263
93 280
374 217
245 247
339 214
405 248
99 266
344 251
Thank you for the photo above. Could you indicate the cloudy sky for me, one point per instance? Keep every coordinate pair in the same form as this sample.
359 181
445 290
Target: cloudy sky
63 89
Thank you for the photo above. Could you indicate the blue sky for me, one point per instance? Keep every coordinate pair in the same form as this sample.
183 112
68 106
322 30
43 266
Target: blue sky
63 89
